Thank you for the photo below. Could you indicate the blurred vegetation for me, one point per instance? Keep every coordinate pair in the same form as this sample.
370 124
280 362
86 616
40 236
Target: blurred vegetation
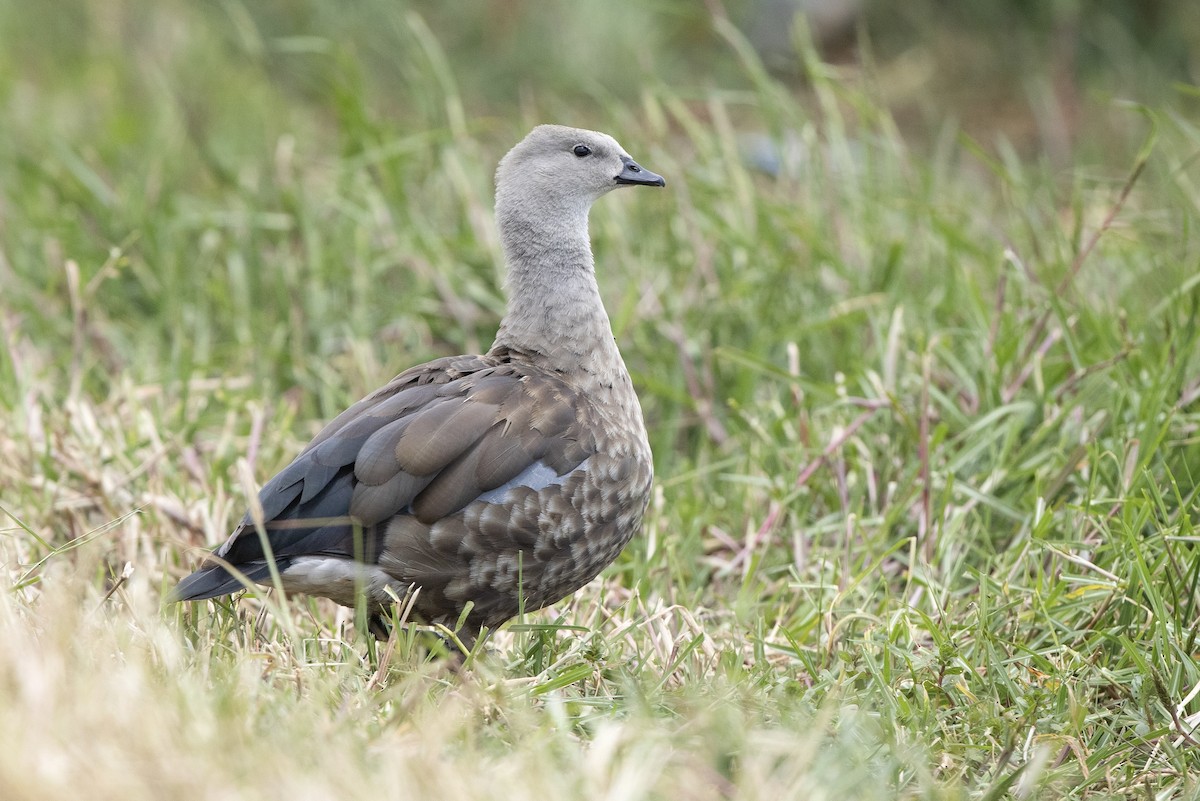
112 109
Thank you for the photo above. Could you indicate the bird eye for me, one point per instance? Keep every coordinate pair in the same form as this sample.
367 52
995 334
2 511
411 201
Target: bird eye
582 150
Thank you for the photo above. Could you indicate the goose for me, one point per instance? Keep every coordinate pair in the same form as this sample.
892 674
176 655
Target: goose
475 486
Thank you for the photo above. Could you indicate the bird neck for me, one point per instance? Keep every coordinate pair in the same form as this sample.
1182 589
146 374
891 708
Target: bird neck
555 314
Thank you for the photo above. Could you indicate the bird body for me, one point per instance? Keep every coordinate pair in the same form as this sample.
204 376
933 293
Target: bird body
502 482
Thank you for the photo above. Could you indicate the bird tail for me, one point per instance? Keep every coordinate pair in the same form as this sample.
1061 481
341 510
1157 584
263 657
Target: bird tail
217 579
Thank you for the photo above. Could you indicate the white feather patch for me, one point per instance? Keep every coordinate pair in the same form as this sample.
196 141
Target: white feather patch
339 579
537 476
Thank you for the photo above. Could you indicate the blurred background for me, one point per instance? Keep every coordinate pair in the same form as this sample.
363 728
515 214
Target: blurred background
151 142
1034 72
128 102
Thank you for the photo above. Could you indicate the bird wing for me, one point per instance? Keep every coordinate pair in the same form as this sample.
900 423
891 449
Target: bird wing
434 439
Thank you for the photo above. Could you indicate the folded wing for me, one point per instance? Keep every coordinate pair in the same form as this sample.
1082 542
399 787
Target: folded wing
428 444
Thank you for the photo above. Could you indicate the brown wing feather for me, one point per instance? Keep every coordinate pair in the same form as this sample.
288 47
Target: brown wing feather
503 453
376 462
375 503
441 432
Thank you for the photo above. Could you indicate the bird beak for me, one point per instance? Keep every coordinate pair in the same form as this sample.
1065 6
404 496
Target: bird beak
634 173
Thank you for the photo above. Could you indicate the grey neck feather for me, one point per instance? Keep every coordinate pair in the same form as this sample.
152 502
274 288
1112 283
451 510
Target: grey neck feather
555 313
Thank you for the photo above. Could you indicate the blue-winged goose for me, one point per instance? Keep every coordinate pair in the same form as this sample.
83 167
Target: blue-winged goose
504 481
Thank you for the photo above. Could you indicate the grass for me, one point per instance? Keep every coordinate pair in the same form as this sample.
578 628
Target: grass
924 418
